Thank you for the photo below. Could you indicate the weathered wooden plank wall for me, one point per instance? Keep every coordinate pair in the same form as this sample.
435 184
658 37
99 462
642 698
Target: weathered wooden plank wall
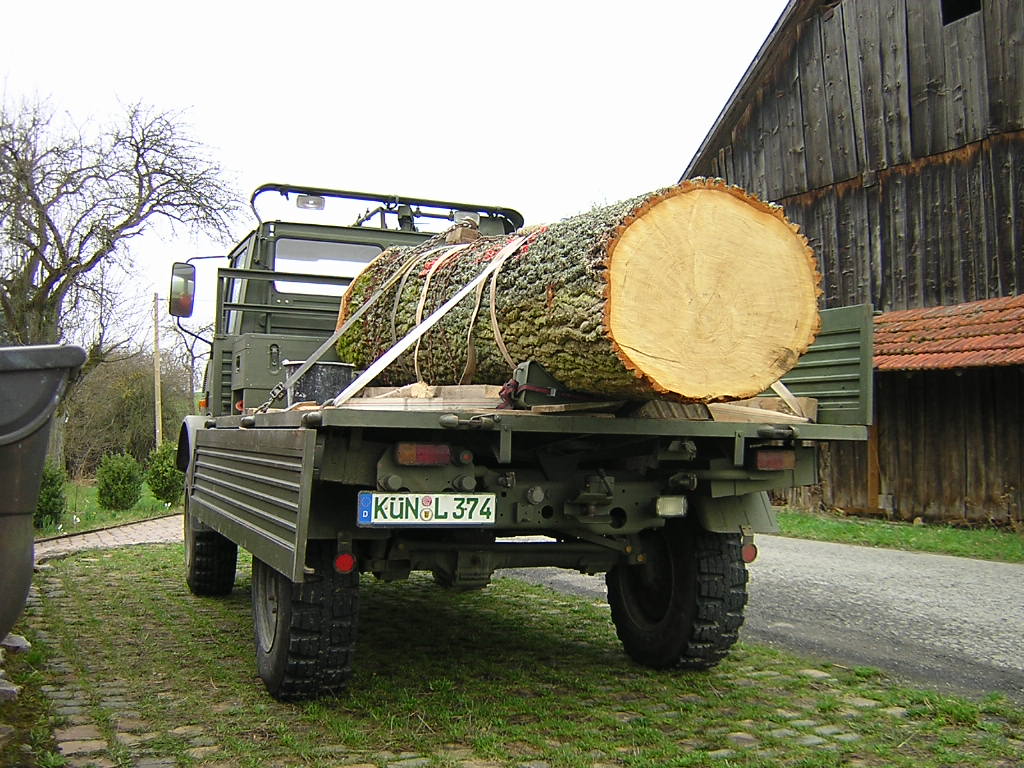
1004 53
945 453
939 230
927 70
897 143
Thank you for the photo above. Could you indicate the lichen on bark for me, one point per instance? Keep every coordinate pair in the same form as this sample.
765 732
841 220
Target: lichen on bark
549 305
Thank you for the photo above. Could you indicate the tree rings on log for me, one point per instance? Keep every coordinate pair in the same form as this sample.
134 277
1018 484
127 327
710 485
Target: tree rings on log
699 292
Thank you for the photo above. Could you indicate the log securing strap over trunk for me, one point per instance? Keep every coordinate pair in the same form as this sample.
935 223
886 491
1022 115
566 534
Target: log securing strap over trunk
699 292
422 326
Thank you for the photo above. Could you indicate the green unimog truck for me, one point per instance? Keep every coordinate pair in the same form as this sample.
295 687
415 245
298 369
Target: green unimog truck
662 497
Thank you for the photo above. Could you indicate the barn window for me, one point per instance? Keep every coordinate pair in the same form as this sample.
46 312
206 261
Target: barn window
957 9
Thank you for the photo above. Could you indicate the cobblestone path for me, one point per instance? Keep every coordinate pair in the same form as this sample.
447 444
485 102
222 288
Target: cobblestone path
83 741
107 720
156 531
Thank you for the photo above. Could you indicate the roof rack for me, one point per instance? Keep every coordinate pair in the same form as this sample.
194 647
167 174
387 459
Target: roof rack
407 209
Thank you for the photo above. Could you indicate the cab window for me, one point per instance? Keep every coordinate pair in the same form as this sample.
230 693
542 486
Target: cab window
314 257
233 287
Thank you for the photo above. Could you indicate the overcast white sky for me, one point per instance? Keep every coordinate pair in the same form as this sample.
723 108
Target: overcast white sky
547 107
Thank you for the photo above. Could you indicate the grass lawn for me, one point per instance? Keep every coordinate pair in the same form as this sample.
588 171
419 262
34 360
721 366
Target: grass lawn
984 544
85 514
509 676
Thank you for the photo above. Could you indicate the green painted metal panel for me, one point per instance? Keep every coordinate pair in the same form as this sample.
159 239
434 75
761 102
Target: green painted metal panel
837 369
732 513
257 362
253 486
513 422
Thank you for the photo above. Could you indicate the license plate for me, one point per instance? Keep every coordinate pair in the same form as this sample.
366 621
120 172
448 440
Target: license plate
434 509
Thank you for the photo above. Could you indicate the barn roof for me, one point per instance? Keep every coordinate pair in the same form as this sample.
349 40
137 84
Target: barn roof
978 333
775 47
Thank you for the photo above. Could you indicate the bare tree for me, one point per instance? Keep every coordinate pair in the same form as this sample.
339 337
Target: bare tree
71 200
111 409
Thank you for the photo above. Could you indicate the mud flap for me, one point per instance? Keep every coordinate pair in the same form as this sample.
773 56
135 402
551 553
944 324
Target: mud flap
730 514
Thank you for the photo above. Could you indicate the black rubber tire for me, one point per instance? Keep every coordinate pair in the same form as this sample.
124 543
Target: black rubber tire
684 606
210 560
305 633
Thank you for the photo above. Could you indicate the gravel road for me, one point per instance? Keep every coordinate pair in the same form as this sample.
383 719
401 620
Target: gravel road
952 623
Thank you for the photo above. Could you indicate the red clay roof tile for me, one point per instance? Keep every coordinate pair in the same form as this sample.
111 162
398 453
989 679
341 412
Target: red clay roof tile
978 333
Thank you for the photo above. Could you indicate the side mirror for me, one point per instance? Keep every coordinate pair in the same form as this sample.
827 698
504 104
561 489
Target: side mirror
183 289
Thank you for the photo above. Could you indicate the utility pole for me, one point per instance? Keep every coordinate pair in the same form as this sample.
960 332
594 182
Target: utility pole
158 407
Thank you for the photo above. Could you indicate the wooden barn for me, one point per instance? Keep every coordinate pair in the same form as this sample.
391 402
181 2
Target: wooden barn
892 131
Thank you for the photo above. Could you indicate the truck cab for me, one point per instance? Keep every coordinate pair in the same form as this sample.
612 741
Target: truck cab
279 295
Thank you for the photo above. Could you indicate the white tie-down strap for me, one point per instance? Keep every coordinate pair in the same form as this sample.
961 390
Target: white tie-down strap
782 391
416 333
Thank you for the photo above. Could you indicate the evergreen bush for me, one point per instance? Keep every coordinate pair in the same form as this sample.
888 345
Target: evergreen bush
118 481
52 502
163 477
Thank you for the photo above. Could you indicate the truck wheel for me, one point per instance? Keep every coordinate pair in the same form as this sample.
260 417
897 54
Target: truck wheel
305 633
210 559
684 606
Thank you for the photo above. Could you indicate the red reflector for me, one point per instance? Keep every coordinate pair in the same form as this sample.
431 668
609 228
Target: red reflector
748 552
345 563
774 459
422 455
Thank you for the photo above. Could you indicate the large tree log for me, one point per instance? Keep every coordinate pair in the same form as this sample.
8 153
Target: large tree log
699 292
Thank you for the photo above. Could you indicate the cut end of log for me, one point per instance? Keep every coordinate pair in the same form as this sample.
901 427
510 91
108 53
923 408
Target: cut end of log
712 293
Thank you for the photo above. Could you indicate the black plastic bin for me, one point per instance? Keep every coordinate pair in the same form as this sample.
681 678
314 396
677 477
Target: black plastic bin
324 381
32 382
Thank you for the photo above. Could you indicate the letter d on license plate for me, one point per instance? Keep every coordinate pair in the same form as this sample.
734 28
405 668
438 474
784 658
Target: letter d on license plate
425 509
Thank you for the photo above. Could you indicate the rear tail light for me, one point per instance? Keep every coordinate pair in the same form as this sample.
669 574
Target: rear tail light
774 459
748 552
345 562
422 455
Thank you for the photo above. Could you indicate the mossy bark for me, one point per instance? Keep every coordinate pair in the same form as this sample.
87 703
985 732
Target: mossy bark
553 305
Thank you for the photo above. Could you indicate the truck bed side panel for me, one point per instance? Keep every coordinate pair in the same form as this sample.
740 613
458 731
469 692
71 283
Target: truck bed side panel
837 369
253 486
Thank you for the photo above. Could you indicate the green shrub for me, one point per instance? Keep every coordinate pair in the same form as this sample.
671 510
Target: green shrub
118 481
52 503
163 477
